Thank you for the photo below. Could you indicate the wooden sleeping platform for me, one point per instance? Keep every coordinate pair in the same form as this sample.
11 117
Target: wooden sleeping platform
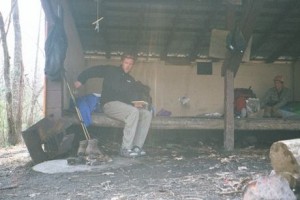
201 123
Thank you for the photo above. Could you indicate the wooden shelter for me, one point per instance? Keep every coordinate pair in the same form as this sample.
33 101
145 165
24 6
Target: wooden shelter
183 52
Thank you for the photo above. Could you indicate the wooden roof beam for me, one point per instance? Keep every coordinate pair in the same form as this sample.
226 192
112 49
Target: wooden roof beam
283 47
252 9
171 33
140 26
208 21
286 11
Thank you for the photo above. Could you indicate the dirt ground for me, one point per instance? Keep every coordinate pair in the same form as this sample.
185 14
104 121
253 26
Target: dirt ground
177 166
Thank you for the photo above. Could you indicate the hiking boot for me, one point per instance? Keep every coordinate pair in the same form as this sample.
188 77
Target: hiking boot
92 148
82 147
139 151
128 153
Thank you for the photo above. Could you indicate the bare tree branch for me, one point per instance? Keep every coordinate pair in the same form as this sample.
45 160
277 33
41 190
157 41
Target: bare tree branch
8 93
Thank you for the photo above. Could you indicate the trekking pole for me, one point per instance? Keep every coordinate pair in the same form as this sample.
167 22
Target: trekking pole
86 133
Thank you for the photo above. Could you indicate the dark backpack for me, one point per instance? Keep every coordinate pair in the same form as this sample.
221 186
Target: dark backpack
55 48
235 40
142 92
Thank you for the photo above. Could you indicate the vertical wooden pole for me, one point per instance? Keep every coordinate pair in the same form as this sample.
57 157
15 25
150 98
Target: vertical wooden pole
232 63
229 113
229 88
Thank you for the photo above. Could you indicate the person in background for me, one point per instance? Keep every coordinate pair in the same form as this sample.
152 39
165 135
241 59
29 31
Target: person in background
117 100
275 98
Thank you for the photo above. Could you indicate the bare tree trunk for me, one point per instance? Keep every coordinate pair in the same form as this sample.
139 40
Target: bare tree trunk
18 72
9 112
35 93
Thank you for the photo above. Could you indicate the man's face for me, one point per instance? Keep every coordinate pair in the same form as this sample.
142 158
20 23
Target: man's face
127 64
278 85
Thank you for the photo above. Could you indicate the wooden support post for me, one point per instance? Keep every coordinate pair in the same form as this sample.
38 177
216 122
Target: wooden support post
232 63
229 115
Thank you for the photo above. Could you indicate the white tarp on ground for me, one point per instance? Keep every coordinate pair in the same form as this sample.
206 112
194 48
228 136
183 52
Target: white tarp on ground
61 166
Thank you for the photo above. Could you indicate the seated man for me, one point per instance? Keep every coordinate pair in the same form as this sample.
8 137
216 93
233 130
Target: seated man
275 98
119 100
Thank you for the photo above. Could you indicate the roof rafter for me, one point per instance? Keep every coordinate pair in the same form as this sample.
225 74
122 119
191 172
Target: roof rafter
140 26
162 30
198 40
171 33
252 8
283 47
286 11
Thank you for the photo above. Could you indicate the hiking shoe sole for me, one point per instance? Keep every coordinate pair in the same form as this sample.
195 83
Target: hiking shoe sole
139 151
128 153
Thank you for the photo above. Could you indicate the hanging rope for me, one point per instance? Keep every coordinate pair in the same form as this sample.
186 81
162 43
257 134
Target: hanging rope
96 23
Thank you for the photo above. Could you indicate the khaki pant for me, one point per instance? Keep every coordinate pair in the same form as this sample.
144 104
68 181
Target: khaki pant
137 122
272 112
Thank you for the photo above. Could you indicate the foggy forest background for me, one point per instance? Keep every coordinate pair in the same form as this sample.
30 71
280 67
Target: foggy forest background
22 38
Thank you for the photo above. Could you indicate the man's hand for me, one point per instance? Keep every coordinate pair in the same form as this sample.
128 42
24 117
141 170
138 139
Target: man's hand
77 84
139 104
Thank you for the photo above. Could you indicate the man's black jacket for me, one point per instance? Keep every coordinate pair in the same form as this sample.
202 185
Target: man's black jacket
117 85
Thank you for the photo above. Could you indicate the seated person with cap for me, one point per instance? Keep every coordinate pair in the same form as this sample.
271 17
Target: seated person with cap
275 98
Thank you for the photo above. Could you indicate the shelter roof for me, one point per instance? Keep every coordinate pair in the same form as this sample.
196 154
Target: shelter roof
182 29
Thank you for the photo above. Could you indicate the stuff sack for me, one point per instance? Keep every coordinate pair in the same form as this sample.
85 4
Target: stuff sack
142 93
55 49
240 97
